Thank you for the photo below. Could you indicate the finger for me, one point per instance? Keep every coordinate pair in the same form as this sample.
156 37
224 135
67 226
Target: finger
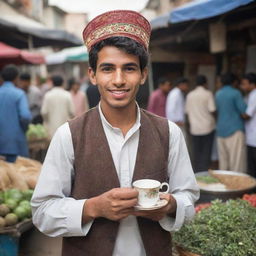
124 193
126 204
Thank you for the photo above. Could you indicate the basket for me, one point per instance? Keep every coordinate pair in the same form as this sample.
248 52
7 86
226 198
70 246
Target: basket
183 252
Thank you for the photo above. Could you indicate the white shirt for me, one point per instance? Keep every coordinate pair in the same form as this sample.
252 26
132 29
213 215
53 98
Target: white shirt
57 108
250 125
57 214
175 106
199 107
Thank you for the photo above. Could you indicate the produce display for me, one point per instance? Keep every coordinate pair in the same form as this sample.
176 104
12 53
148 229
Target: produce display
225 181
250 198
14 206
22 174
221 229
36 131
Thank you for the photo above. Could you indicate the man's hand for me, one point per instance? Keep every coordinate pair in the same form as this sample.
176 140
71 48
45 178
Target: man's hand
115 204
158 214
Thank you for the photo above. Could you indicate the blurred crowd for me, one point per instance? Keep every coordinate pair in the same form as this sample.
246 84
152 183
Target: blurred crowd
50 102
229 116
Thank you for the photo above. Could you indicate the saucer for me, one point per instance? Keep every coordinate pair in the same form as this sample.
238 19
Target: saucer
160 203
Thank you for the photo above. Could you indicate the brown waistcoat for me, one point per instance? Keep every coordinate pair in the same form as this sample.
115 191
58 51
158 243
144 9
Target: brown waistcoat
95 174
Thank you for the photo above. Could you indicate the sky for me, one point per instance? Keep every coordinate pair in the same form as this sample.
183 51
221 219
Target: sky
96 7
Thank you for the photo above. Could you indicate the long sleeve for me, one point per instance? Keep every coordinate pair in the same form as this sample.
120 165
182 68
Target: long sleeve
183 185
55 213
24 112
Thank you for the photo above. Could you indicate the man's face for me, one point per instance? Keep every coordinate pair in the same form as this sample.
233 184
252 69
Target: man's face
165 87
184 87
118 76
245 85
24 84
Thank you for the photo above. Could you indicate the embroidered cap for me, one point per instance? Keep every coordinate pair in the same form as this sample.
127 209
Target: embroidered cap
117 23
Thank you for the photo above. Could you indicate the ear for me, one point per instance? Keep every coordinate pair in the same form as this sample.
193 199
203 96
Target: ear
92 76
144 75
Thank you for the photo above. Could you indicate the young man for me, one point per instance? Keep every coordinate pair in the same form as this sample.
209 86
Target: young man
57 107
14 116
248 85
230 126
85 189
175 104
200 107
157 100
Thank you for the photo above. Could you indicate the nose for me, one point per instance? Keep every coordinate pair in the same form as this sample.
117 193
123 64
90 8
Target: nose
118 78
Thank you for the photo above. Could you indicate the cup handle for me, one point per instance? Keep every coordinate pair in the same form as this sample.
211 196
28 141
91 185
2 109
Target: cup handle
165 184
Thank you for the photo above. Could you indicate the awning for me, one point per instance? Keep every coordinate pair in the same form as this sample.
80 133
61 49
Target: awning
75 54
201 9
23 32
13 55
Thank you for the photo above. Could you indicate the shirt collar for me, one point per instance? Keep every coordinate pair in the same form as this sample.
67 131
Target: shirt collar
8 84
109 126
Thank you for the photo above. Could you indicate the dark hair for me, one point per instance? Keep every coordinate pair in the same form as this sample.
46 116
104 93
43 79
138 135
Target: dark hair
57 80
25 76
71 82
201 80
227 78
10 73
162 80
125 44
181 80
251 77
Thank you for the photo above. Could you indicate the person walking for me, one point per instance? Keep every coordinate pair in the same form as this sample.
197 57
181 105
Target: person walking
175 104
85 192
34 96
157 100
79 98
248 85
14 116
57 106
200 108
230 126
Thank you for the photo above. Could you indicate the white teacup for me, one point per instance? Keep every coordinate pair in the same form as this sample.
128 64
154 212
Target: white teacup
149 191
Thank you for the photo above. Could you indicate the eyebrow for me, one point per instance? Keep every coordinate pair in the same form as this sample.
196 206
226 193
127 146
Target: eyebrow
130 64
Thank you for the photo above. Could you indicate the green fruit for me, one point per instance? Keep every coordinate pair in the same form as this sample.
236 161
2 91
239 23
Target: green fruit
2 222
21 212
1 197
11 203
4 209
25 204
27 194
13 194
11 219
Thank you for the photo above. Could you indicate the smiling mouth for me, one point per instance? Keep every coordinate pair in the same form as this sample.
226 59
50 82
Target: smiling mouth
119 92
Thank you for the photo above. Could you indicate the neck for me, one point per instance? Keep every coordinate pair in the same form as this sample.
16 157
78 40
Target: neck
122 118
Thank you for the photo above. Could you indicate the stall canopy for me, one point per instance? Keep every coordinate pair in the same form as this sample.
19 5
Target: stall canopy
23 32
201 9
197 10
9 54
73 54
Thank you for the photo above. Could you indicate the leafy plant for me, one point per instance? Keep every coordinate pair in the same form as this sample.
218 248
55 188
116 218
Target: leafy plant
223 229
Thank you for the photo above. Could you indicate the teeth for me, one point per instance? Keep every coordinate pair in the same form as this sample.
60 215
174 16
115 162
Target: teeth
118 92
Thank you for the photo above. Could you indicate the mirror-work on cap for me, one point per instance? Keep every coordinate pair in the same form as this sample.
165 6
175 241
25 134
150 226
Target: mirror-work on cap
117 23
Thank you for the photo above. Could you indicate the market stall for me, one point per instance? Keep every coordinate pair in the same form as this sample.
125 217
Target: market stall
17 181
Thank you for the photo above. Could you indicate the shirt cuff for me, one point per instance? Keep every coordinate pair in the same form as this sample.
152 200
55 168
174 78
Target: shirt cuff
184 212
74 219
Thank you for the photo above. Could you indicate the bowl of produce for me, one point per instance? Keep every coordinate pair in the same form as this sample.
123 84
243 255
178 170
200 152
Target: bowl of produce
224 185
224 228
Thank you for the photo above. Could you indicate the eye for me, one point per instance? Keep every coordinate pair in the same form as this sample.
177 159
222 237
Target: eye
106 69
130 69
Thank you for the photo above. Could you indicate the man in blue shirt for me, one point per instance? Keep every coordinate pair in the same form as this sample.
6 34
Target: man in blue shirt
230 126
14 116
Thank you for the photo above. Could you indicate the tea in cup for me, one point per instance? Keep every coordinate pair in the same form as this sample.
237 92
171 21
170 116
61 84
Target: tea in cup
149 191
